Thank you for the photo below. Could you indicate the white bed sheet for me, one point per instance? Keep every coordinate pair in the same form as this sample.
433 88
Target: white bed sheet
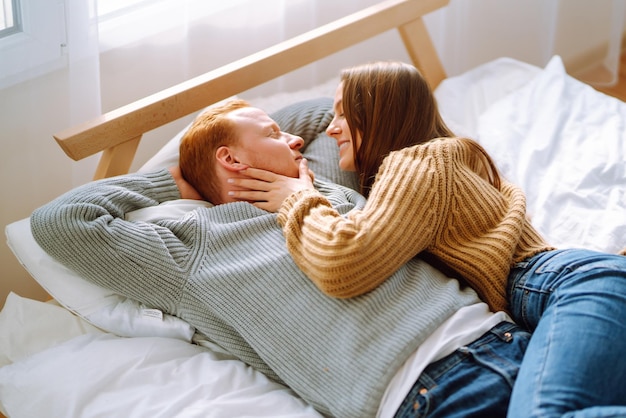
562 141
78 371
567 151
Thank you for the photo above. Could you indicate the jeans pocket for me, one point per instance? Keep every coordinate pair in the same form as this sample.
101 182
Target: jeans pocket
503 353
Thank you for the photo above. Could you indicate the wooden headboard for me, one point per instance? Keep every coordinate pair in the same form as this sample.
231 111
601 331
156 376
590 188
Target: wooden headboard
118 132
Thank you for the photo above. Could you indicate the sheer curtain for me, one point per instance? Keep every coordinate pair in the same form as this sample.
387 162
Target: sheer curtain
83 73
174 40
586 34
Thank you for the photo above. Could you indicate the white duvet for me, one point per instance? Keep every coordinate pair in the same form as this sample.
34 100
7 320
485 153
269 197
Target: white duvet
79 371
561 141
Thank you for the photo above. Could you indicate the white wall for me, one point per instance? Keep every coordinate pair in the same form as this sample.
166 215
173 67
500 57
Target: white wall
34 169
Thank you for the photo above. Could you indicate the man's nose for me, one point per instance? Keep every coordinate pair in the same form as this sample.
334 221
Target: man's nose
295 142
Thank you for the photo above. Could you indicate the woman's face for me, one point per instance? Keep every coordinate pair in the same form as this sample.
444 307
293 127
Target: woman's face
339 130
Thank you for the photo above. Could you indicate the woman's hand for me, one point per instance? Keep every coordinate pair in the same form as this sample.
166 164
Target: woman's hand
187 191
267 190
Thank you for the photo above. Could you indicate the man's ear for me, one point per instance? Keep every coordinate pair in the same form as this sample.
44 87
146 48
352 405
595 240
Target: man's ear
225 157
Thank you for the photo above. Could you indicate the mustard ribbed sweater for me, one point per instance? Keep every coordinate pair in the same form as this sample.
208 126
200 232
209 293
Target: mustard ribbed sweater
425 198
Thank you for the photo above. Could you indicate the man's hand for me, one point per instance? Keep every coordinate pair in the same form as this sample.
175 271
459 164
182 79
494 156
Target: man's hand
267 190
187 191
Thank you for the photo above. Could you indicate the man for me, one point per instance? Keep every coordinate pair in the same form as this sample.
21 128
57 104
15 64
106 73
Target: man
226 271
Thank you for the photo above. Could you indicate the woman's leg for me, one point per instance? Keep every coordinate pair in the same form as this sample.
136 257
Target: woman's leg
574 302
474 381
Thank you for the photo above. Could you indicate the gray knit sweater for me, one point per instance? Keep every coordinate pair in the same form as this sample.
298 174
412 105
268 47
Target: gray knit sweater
227 272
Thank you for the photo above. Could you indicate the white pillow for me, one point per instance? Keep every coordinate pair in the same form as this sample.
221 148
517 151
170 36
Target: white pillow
97 305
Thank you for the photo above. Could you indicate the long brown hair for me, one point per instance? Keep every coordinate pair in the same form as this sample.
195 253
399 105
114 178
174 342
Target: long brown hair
392 107
209 131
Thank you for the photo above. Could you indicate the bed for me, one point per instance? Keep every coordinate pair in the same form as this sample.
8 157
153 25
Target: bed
89 352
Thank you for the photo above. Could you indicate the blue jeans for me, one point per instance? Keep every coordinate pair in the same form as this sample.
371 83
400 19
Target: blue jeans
474 381
574 303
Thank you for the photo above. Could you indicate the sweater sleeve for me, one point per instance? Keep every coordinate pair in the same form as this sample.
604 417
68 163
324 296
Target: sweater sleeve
85 230
349 256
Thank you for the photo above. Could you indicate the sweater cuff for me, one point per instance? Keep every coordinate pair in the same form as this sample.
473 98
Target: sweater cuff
304 198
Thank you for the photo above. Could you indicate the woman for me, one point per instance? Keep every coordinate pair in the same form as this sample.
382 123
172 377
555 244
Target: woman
432 193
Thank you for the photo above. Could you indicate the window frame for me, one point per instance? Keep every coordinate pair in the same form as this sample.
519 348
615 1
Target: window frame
38 46
16 25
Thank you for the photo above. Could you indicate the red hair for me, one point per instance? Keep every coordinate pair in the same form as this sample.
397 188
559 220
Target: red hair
209 131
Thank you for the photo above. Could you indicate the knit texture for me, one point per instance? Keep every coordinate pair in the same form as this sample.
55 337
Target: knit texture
226 271
425 198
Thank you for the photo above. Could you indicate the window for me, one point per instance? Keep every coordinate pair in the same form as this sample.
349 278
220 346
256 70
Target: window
9 17
32 37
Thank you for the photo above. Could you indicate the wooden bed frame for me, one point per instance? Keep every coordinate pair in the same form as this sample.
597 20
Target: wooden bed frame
117 133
